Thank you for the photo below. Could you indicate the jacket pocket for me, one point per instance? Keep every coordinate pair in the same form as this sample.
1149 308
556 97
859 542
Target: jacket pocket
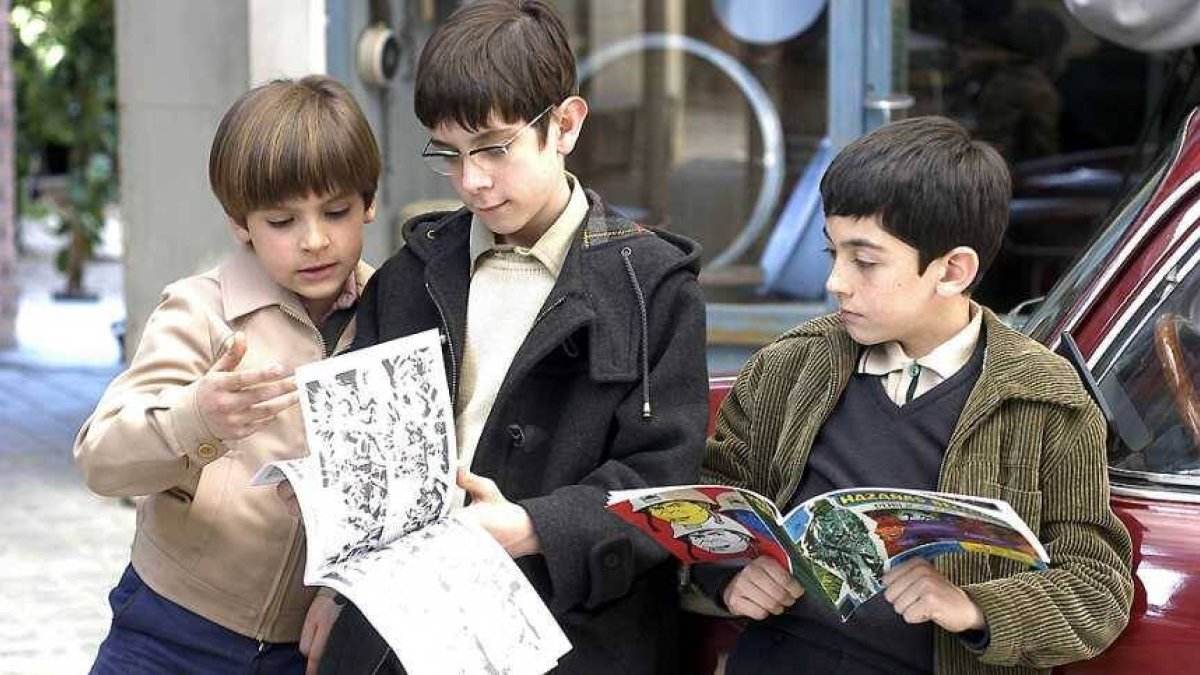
1028 505
205 511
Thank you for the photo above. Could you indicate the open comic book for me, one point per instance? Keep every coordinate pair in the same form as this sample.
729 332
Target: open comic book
837 544
374 492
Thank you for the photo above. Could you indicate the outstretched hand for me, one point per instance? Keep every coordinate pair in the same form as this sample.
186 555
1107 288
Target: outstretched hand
236 403
507 522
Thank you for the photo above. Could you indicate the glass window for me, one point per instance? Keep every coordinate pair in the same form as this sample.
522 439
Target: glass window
1077 118
1150 376
671 138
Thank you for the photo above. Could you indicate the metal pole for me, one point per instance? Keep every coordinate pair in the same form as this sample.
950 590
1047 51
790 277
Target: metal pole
657 139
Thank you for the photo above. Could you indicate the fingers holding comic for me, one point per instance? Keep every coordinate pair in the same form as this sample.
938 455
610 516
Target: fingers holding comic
920 593
762 588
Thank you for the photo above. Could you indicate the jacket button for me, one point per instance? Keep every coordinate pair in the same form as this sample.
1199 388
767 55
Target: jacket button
516 434
206 451
612 561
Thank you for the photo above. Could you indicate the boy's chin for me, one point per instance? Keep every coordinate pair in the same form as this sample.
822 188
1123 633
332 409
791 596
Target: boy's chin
865 336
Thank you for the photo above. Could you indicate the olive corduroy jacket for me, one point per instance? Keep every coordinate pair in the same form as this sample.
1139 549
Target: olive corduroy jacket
1028 434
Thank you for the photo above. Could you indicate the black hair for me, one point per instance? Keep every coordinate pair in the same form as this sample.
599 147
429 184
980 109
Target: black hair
507 57
931 185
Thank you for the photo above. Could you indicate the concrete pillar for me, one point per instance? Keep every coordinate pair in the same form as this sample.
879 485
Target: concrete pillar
180 64
9 291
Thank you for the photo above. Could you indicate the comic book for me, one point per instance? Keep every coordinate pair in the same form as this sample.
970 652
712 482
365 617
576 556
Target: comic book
838 544
375 497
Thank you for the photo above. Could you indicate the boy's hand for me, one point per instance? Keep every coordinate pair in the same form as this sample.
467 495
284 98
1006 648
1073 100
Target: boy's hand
285 492
322 614
235 404
920 593
762 588
507 522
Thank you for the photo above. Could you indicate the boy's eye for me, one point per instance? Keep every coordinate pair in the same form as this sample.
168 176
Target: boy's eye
863 264
338 212
279 221
491 151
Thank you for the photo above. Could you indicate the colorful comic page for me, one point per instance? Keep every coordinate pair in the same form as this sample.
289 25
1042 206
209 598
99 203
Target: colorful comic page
851 537
704 523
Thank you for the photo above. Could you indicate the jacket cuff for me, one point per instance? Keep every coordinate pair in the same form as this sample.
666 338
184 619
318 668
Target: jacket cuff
188 430
582 570
712 580
1002 620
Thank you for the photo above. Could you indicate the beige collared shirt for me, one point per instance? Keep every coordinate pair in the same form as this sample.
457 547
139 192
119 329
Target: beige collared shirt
898 370
509 285
551 249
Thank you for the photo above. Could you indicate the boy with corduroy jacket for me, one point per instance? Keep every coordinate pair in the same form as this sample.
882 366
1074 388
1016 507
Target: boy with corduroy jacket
911 384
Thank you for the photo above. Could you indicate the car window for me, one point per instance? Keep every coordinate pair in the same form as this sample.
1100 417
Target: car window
1066 292
1150 376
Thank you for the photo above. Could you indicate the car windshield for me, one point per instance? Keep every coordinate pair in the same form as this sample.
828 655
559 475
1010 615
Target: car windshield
1149 376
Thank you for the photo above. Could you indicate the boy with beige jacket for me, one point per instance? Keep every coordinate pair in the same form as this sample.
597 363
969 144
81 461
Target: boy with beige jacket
215 584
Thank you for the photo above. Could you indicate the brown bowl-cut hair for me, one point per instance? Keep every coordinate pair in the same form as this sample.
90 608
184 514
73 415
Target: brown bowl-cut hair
931 185
510 58
289 139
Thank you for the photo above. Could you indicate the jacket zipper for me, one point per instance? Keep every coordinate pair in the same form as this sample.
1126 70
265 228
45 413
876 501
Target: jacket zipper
306 323
449 343
276 594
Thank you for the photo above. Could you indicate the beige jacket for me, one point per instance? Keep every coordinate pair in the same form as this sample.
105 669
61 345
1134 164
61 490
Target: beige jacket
205 538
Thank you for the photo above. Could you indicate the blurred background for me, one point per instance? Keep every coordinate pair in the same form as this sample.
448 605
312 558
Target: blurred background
712 118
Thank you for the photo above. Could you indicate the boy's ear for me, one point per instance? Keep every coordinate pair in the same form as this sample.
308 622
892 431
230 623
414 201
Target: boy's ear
239 230
571 114
369 214
959 268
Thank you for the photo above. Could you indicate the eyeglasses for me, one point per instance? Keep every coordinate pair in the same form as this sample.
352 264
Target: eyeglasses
489 158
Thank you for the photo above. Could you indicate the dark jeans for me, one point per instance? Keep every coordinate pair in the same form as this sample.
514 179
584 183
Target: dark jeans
151 634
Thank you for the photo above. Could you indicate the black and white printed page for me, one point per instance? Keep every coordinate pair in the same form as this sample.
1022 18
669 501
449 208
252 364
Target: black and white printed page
380 429
449 600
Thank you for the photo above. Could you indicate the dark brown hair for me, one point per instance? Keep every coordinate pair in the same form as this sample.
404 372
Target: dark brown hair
292 138
931 185
507 57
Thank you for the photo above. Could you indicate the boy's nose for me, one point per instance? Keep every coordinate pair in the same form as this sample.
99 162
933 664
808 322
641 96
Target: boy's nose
474 178
315 237
833 283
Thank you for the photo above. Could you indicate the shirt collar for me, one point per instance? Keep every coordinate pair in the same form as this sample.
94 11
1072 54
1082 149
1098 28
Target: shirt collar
945 360
345 299
551 249
246 286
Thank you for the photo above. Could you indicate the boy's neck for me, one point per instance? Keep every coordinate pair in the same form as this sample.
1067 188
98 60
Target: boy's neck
542 221
949 321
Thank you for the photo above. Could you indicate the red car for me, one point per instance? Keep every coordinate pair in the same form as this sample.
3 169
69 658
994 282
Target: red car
1126 314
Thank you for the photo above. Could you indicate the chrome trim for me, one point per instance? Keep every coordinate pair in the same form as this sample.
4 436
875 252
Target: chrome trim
1179 479
1157 495
1149 224
1170 266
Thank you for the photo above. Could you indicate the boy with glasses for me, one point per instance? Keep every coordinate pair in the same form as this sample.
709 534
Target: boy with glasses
574 341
